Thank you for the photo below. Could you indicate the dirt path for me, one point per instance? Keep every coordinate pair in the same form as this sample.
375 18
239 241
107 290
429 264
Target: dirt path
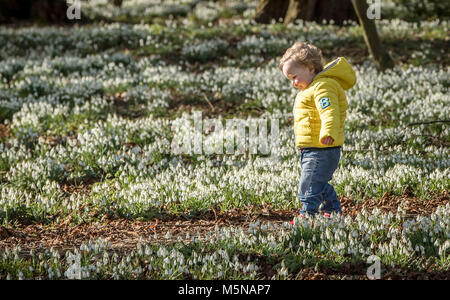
125 234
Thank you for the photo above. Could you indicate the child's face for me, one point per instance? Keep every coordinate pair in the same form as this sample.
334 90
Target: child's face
300 76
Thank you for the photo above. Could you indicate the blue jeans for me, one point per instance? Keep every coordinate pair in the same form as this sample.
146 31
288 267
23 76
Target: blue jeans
317 168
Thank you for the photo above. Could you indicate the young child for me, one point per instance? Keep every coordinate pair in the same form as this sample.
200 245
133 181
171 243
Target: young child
319 114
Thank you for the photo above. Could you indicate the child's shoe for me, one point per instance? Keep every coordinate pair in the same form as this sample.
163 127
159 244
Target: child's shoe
327 215
301 216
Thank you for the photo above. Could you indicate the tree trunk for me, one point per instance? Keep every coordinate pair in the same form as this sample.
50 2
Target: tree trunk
271 9
300 9
117 3
336 10
14 9
380 56
308 10
47 11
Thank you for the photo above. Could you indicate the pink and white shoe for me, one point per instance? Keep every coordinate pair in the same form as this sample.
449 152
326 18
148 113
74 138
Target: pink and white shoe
300 216
327 215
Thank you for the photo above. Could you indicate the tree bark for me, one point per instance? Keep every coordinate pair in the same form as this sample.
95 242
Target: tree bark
270 9
117 3
380 56
50 11
14 9
336 10
308 10
300 9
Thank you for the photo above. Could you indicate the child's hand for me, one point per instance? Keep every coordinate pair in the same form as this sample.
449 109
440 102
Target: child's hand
328 140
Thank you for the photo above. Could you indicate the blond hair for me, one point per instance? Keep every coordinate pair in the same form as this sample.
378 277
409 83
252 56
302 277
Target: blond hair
303 54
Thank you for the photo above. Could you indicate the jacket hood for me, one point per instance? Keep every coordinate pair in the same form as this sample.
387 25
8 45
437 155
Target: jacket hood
340 70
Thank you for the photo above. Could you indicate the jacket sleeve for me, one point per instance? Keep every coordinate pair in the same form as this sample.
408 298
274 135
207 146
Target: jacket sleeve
327 103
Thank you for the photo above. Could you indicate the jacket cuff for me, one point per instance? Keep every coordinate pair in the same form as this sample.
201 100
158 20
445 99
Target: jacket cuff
327 132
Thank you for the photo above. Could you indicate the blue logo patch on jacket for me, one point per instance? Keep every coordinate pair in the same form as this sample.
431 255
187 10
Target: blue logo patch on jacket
324 102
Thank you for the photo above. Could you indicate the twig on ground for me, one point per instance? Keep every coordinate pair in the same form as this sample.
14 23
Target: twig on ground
207 100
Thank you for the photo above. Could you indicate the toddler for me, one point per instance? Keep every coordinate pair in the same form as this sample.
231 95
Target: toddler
319 113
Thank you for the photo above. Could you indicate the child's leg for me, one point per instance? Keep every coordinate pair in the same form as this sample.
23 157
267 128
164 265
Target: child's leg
310 199
331 201
318 166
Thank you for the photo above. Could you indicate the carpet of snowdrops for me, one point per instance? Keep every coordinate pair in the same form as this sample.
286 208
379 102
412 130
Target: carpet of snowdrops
95 104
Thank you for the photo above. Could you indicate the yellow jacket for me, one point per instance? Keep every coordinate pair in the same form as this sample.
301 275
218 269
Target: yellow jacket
320 109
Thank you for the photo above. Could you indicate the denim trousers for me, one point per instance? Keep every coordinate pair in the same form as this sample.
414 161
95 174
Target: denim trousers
317 168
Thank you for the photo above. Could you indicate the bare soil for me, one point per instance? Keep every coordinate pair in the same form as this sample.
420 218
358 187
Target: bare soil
5 131
124 234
